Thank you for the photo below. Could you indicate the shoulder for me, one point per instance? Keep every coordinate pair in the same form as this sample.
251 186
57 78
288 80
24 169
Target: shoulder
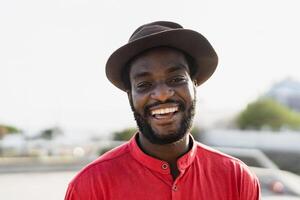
223 166
223 161
211 154
94 180
108 162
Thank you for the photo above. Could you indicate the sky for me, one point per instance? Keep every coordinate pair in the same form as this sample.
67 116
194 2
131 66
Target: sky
53 55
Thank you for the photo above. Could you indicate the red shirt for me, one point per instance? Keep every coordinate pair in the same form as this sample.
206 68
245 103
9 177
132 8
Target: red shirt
128 173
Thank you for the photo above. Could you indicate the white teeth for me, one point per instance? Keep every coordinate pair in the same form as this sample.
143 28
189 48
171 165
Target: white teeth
164 111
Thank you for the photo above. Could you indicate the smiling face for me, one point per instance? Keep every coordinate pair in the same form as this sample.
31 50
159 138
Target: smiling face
162 94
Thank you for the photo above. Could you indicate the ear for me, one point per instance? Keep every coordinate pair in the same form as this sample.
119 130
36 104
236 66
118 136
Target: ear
195 83
129 95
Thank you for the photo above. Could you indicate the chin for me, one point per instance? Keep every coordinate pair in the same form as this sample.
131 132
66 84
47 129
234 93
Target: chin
158 135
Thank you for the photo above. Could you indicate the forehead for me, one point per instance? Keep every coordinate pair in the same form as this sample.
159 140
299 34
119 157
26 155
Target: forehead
158 60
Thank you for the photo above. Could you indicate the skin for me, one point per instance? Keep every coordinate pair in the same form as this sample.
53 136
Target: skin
156 76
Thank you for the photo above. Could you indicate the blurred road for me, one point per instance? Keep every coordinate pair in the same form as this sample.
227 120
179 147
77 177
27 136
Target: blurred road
34 186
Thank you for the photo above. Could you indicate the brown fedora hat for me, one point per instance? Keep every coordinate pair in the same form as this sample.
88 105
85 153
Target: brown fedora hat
163 33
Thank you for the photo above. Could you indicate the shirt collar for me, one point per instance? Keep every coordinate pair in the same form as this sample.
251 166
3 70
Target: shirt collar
159 165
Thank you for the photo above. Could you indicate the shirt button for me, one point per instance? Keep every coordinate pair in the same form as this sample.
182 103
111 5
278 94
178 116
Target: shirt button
174 188
164 166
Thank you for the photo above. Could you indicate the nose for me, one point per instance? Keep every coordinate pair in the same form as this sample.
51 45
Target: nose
162 92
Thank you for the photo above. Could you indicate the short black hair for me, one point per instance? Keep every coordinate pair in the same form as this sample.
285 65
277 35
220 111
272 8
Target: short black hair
125 72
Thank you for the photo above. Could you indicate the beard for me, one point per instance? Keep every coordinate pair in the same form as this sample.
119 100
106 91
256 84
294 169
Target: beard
185 124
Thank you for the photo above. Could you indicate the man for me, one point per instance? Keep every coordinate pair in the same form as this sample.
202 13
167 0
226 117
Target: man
160 68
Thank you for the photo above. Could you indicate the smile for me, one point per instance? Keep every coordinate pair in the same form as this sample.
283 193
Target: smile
164 113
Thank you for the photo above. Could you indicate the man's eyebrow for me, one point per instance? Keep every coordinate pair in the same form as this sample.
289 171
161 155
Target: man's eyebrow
172 69
177 68
141 75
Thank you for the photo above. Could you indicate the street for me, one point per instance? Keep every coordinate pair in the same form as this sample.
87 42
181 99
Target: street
35 186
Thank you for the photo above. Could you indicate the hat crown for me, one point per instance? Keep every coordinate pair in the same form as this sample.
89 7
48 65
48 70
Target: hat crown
163 33
153 28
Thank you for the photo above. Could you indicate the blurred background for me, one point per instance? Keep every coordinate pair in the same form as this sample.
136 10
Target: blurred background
58 111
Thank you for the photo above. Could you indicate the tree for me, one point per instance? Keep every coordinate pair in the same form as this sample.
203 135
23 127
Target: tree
51 133
268 113
125 134
5 129
196 132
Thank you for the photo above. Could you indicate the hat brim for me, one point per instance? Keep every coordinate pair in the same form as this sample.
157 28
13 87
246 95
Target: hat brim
189 41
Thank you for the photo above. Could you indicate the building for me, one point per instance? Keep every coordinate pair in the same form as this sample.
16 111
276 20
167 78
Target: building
286 92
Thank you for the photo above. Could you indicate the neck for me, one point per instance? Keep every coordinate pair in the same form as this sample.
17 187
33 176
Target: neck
167 152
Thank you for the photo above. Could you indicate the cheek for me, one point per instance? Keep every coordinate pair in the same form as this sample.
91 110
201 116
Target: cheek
138 101
189 92
192 90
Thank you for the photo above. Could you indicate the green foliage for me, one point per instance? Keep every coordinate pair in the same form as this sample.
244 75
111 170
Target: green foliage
5 129
125 134
9 129
51 133
12 129
104 150
268 113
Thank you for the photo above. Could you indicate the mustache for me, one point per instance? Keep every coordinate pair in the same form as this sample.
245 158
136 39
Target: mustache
180 105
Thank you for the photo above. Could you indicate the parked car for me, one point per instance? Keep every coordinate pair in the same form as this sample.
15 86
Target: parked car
275 183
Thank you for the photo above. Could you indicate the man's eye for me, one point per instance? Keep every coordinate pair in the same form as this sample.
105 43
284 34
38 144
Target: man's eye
143 85
178 80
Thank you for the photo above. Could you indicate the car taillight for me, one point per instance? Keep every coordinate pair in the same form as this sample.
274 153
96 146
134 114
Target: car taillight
277 187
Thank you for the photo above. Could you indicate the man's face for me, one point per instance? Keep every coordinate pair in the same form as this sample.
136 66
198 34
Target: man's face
162 95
